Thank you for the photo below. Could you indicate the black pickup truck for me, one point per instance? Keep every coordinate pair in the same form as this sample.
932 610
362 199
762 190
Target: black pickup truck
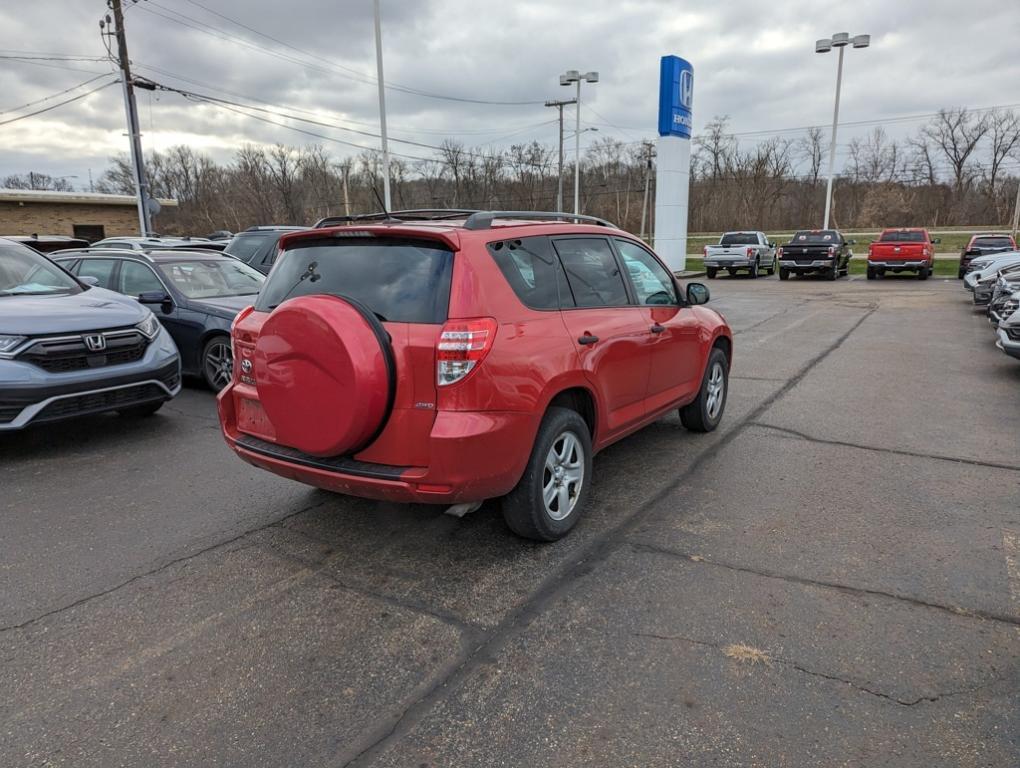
815 251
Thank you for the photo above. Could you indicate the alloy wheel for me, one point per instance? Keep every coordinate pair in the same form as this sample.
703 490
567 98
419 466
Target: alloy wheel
563 475
219 364
715 391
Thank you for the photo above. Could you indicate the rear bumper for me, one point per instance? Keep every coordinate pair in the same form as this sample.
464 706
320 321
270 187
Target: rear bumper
726 263
897 266
806 266
474 456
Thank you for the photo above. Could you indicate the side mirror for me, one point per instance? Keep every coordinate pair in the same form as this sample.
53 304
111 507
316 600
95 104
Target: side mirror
697 293
936 240
89 280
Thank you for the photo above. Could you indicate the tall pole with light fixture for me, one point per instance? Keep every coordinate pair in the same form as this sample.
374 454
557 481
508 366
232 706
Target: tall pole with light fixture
570 77
839 40
382 108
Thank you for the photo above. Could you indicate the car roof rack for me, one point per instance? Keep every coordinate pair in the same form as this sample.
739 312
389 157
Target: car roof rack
414 214
484 219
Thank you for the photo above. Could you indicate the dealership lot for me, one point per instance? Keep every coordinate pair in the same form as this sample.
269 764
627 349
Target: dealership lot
831 578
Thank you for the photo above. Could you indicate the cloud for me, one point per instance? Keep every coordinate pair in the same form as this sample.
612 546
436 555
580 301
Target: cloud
753 62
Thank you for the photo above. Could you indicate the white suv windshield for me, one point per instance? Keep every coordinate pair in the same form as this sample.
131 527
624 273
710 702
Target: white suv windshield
23 272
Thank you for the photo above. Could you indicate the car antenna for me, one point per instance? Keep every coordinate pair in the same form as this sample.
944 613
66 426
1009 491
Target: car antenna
382 204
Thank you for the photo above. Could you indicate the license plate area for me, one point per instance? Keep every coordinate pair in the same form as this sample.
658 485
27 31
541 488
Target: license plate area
252 418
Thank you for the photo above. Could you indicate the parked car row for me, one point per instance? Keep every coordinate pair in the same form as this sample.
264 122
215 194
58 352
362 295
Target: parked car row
994 281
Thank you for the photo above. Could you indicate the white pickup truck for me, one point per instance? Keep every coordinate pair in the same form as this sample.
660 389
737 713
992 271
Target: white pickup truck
741 250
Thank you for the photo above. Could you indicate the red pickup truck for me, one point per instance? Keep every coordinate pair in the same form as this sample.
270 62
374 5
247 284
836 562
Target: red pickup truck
902 250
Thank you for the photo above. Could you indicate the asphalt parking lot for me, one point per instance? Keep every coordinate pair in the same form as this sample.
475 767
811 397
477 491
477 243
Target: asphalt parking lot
831 579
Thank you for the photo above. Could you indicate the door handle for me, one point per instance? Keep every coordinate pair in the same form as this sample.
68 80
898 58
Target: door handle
657 328
587 339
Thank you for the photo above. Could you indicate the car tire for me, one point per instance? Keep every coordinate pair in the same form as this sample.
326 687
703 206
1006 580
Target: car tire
784 274
922 273
754 269
562 437
710 272
833 273
705 413
217 362
960 273
141 411
871 273
772 269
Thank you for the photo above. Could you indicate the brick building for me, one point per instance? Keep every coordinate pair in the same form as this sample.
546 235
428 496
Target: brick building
88 215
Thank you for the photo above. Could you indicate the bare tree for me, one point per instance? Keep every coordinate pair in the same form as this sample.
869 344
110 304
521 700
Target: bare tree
1004 140
35 180
957 133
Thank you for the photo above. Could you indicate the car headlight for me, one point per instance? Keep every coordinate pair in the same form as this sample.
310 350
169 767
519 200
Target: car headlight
149 326
8 343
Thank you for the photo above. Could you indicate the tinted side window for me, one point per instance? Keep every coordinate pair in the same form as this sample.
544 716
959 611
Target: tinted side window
137 278
533 271
592 272
270 249
101 269
652 283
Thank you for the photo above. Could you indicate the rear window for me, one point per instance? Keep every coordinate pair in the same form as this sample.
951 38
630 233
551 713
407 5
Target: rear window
401 280
992 242
819 236
245 246
902 237
739 238
533 271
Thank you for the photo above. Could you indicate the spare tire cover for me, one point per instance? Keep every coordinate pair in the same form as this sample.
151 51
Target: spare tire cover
324 373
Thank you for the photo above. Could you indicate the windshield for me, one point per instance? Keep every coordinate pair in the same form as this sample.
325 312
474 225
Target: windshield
902 237
212 279
827 236
992 242
401 280
739 238
23 272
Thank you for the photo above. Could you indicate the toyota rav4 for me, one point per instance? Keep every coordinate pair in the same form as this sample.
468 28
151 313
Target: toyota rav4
454 357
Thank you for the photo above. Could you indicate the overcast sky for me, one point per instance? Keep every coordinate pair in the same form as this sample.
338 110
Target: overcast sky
753 61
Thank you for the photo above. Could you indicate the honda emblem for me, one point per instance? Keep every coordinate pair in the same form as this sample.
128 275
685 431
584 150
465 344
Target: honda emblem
95 342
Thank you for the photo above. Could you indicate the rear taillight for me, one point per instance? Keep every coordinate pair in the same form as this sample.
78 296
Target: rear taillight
750 252
463 344
705 250
832 250
779 252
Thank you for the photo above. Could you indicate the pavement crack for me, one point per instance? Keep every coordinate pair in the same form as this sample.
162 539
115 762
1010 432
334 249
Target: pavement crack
639 546
563 578
896 451
769 660
155 570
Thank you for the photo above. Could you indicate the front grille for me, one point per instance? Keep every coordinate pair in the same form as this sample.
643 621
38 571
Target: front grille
70 353
95 402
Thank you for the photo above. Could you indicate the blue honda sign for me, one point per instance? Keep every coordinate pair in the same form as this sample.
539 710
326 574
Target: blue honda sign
676 95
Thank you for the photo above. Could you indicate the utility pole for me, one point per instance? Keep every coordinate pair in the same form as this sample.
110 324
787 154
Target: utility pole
1016 210
137 160
382 108
559 184
649 149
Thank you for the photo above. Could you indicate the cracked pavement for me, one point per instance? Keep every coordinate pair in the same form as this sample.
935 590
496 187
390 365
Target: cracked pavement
830 579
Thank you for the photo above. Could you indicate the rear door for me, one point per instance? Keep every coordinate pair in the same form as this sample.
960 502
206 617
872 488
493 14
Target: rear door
675 368
612 335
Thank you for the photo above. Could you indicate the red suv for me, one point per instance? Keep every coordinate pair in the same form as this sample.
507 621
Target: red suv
459 359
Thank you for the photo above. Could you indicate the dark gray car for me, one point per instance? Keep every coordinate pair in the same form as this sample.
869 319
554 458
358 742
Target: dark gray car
68 348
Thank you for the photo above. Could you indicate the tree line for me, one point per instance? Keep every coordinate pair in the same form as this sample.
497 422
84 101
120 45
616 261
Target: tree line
959 168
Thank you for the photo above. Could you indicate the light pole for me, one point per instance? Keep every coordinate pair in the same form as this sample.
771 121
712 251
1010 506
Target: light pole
559 184
839 40
570 77
382 109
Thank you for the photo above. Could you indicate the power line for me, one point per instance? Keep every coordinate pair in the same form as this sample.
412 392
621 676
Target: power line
59 104
209 29
53 95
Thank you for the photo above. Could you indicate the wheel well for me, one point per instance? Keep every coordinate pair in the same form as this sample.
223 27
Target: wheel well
580 400
726 346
